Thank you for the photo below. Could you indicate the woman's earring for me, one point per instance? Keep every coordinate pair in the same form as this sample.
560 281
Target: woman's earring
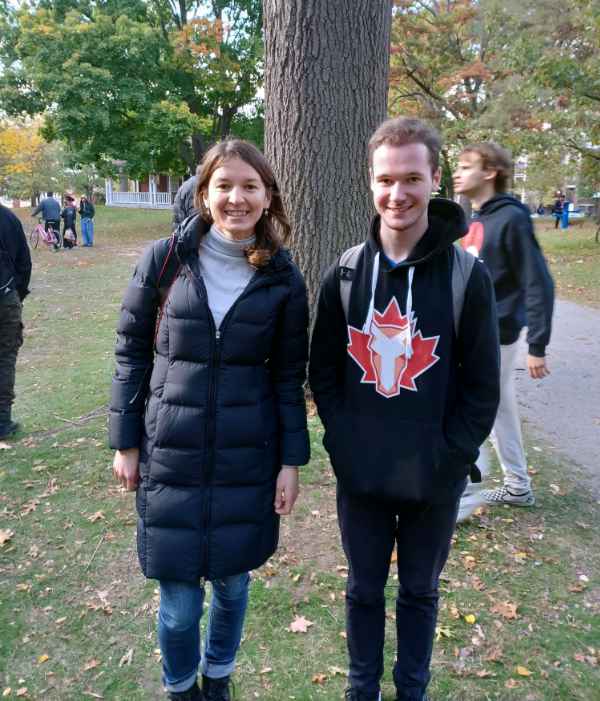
266 212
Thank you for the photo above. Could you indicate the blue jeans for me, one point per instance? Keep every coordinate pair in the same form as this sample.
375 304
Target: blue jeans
179 616
87 231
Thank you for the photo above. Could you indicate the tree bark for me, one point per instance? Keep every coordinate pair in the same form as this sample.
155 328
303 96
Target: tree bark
326 84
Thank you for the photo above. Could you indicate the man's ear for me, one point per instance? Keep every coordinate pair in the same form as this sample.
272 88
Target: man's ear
490 174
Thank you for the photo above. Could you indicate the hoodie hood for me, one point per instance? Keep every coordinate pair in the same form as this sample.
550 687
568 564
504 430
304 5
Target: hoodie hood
499 201
447 223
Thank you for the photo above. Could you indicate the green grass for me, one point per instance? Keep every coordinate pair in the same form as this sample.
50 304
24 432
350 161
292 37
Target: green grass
574 258
70 587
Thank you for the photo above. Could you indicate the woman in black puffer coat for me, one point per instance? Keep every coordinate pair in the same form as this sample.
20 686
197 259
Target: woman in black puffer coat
207 412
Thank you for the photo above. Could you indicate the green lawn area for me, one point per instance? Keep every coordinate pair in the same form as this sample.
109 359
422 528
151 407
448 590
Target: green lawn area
574 259
520 609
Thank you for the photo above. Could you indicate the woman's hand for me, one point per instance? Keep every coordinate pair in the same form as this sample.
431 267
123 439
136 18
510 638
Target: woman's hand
286 490
126 468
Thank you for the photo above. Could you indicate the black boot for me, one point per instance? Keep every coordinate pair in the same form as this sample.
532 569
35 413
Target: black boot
216 689
7 426
191 694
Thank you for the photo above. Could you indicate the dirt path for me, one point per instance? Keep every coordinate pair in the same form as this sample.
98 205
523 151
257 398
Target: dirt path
563 410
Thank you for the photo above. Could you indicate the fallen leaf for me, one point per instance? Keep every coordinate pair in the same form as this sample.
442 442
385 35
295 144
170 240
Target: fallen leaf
127 658
92 664
43 658
319 679
300 625
98 516
334 671
266 670
511 683
7 691
22 691
5 446
441 632
5 535
505 609
470 619
523 671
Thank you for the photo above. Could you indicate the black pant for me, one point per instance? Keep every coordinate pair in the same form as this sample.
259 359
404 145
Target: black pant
11 339
422 533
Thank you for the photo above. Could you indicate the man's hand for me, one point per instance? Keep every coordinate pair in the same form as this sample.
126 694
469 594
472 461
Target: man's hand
126 468
286 490
537 367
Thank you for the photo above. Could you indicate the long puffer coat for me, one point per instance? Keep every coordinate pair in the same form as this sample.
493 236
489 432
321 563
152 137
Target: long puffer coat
214 413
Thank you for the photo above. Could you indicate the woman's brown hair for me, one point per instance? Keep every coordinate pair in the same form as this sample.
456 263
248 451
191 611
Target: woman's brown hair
273 228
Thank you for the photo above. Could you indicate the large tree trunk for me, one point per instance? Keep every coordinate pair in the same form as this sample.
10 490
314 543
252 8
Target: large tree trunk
326 83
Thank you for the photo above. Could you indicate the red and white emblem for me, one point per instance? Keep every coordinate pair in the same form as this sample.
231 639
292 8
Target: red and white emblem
392 355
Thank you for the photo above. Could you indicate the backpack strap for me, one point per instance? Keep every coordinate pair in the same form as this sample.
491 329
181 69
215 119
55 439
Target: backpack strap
168 274
346 267
462 266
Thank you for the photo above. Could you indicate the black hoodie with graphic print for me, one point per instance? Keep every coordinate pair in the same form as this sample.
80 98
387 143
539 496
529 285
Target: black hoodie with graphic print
502 232
406 407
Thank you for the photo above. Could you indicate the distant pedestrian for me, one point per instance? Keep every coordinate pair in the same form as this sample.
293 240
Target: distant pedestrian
49 208
87 212
557 210
15 272
183 205
69 217
502 234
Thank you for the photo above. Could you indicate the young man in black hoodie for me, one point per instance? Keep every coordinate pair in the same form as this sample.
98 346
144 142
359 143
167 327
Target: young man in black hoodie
501 233
405 401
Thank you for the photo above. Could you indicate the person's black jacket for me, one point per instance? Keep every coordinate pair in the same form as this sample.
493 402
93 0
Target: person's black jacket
86 209
415 436
522 282
183 205
49 209
215 415
15 259
69 216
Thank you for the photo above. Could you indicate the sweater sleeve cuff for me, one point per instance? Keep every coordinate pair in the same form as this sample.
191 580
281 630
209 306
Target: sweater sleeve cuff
125 431
537 350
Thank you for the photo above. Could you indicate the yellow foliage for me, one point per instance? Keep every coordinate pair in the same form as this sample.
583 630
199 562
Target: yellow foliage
21 149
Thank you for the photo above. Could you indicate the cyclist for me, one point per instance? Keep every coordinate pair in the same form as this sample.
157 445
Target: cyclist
50 211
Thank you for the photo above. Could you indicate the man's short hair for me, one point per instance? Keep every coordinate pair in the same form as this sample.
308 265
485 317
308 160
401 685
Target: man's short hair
400 131
494 157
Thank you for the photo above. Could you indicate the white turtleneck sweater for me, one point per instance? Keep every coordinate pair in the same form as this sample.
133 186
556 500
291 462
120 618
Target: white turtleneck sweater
224 269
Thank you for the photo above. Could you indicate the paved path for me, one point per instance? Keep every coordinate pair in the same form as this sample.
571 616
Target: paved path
564 408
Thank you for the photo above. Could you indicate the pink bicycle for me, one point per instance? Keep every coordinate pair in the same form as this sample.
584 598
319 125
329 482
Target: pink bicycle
51 237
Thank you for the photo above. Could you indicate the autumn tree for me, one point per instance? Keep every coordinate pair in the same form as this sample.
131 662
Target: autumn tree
149 81
326 73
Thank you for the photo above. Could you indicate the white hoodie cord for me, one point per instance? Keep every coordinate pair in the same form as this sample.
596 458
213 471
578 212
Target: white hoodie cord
375 274
411 274
369 320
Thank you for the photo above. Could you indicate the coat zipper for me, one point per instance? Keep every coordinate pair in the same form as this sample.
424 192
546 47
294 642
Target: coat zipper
212 396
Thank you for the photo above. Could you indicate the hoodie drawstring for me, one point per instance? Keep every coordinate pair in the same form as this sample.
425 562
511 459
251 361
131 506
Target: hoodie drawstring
411 274
369 320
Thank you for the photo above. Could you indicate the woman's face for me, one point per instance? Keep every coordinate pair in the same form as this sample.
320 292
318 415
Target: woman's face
236 198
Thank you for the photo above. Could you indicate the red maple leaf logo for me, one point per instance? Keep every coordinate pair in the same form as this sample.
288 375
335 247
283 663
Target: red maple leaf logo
384 356
473 241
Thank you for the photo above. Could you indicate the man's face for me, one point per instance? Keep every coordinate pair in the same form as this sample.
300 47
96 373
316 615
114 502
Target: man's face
402 182
470 178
